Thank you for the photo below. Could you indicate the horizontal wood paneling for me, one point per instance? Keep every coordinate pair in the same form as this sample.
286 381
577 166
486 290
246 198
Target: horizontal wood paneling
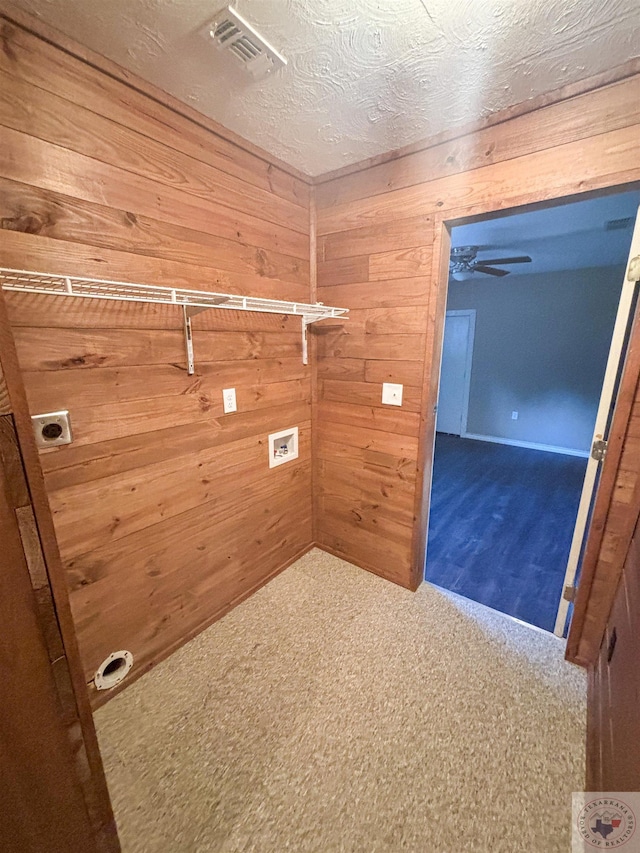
69 349
165 509
389 347
90 514
601 110
84 177
390 293
37 211
86 462
38 253
401 234
367 394
380 233
601 160
216 567
134 382
34 61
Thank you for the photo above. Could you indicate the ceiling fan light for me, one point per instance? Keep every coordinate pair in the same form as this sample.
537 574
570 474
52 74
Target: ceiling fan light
462 275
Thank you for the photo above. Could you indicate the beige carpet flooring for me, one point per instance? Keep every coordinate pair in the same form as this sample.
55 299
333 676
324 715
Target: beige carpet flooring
334 711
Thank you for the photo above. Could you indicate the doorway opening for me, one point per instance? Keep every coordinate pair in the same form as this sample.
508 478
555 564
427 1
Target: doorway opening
532 303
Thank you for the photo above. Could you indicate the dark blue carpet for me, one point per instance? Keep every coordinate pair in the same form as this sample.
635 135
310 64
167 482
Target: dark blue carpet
501 524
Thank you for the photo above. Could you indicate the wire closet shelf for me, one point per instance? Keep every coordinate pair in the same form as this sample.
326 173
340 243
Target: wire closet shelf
191 301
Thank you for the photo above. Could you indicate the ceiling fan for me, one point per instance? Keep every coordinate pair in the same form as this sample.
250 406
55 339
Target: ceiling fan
463 263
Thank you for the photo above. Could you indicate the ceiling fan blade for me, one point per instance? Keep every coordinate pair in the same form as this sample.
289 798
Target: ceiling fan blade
520 259
489 270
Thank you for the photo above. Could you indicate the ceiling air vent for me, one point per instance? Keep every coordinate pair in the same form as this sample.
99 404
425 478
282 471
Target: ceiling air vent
231 32
619 224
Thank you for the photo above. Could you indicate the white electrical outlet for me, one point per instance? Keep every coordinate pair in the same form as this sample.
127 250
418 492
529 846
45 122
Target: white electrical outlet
514 416
229 400
391 394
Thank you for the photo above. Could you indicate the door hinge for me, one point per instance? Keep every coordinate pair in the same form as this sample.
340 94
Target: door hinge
598 450
569 593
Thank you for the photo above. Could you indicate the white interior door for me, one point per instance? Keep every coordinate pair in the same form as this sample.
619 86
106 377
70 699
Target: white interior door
623 317
455 372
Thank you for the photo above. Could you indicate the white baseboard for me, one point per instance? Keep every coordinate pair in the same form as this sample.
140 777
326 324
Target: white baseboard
549 448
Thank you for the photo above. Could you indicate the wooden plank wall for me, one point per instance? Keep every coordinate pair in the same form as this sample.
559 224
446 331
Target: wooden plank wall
379 238
165 509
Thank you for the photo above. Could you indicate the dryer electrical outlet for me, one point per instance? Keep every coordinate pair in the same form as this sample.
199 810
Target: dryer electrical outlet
52 429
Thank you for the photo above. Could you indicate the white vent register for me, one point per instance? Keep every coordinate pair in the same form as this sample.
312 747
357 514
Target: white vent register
229 31
191 301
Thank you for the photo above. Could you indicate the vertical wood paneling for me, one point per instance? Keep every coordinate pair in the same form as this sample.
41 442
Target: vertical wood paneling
166 512
382 241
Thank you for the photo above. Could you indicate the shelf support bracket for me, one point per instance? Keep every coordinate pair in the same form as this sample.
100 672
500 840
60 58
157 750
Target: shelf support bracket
187 313
305 340
188 340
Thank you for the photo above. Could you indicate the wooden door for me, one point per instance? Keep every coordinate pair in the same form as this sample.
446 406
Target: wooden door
613 721
42 805
455 372
53 793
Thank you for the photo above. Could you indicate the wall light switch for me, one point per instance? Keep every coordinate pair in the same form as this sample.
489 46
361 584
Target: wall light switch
229 400
514 416
391 394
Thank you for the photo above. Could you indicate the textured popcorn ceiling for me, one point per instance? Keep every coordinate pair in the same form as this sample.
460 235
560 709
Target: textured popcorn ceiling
364 76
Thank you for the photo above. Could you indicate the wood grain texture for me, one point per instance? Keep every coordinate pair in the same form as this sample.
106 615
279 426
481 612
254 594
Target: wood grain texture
26 493
97 179
215 564
538 176
40 253
36 754
27 107
38 211
5 403
46 56
383 246
613 723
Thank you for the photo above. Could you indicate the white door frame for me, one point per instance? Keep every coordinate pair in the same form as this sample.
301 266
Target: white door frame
601 429
471 334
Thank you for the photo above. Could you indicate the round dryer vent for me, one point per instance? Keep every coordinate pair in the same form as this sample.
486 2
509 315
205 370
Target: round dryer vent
113 669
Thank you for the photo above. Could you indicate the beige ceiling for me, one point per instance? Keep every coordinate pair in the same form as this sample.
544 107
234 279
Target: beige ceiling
364 76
